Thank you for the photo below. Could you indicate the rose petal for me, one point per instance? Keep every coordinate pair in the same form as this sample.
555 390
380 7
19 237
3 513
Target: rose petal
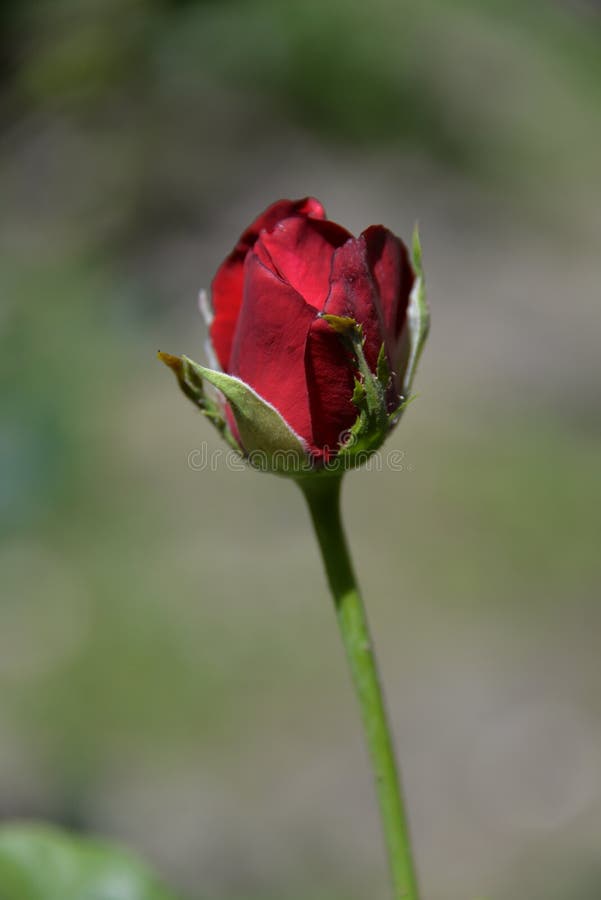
269 345
226 292
282 209
388 261
330 380
228 284
353 293
300 251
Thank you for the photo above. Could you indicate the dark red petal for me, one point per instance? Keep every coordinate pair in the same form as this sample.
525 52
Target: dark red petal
227 286
330 368
269 348
330 376
300 251
388 260
353 293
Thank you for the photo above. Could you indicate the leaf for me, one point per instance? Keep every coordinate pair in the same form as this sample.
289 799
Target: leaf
41 862
266 436
191 385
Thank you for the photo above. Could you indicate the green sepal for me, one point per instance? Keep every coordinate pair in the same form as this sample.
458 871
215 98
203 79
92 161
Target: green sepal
418 315
40 862
358 393
192 386
351 333
344 325
269 442
372 424
382 368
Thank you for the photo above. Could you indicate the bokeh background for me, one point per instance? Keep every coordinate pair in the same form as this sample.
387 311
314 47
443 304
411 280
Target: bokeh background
170 671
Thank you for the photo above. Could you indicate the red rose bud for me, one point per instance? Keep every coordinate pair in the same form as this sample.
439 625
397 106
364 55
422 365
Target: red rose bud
317 334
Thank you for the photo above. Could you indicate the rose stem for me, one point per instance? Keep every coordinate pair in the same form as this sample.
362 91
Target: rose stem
323 497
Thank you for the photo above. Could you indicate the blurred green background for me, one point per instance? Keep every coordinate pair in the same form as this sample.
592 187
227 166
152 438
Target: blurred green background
170 671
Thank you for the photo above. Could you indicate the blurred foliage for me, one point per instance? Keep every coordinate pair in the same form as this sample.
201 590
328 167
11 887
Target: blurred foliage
438 77
344 68
42 863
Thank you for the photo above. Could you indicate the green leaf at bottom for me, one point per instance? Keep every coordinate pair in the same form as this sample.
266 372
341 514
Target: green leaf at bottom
40 862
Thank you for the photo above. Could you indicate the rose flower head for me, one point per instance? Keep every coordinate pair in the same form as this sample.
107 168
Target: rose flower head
314 337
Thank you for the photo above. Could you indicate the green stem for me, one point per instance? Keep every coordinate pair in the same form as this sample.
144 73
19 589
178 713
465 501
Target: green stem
323 497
